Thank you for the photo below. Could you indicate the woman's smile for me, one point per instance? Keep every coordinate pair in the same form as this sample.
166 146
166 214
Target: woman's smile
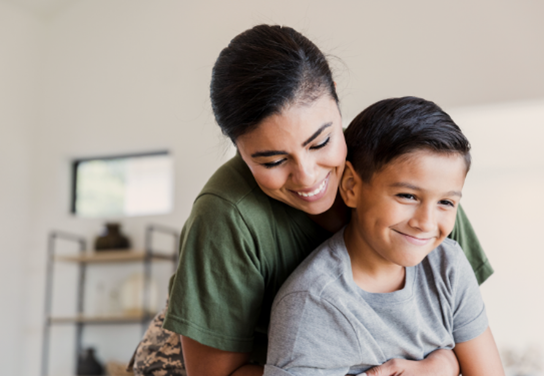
313 193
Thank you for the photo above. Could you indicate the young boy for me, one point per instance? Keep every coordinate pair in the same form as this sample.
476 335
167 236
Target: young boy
390 285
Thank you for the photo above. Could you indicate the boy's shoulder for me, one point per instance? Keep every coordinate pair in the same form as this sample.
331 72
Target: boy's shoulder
447 263
319 270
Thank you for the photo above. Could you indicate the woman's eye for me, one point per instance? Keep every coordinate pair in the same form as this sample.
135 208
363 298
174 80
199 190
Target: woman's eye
319 146
406 196
273 164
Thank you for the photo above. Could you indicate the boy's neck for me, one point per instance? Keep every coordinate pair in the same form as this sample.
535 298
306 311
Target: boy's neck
371 272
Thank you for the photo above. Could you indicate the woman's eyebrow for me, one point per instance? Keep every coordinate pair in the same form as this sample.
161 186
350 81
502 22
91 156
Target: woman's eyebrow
268 153
317 133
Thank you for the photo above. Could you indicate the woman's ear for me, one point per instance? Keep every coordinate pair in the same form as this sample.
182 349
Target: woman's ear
350 186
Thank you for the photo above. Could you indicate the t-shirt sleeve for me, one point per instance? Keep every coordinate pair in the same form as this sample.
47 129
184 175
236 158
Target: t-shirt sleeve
469 316
309 336
216 293
464 234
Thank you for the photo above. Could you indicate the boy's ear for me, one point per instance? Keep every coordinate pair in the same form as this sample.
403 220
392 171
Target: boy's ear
349 186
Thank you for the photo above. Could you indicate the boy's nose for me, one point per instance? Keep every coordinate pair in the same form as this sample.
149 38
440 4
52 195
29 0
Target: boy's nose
424 219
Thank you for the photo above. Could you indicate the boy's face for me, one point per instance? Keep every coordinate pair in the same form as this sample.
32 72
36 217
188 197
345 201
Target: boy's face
407 209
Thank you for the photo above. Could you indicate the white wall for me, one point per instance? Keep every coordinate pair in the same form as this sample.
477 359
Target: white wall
19 47
502 197
129 76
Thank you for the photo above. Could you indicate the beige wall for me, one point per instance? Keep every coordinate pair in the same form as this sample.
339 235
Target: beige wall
19 48
109 77
502 198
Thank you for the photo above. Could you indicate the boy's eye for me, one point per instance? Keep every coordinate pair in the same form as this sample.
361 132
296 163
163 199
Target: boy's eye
319 146
406 196
447 203
273 164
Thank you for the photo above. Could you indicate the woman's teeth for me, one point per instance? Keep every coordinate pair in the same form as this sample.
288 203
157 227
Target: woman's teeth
316 191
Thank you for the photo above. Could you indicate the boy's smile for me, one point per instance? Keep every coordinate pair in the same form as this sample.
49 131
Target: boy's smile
404 212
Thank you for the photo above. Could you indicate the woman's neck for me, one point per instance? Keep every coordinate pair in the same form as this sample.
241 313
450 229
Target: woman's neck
335 218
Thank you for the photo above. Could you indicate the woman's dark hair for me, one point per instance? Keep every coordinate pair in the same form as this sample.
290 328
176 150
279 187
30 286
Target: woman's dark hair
263 70
397 126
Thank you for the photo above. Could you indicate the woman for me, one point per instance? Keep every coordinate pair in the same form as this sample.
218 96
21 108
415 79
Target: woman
262 212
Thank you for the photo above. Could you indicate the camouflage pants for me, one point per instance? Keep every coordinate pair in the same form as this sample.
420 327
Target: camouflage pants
159 352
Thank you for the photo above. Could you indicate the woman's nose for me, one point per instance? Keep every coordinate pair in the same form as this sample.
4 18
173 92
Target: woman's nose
303 174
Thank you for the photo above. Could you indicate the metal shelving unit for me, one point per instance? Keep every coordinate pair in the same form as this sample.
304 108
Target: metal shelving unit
83 260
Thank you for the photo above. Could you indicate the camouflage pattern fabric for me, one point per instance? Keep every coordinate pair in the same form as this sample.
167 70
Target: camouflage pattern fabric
159 352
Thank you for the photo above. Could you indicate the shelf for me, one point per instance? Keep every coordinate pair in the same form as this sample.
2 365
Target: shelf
114 257
117 319
106 256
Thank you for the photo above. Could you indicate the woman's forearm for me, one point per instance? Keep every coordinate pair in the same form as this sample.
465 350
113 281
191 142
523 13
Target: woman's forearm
442 362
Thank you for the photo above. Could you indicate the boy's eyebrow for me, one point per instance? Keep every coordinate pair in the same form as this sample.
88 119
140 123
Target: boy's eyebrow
271 153
416 188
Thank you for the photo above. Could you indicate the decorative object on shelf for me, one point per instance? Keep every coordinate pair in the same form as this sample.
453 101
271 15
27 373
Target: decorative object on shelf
100 305
132 295
111 238
114 303
87 363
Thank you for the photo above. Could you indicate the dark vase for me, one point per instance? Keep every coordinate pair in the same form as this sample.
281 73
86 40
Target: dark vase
111 238
87 363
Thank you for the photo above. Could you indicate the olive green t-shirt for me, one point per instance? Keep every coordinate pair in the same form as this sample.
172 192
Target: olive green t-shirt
237 248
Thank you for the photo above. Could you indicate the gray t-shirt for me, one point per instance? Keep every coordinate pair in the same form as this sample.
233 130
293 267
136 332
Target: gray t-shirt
324 324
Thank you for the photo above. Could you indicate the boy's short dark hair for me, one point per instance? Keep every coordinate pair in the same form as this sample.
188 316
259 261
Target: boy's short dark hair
397 126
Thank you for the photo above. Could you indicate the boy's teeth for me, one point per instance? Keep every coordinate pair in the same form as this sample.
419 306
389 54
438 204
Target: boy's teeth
313 193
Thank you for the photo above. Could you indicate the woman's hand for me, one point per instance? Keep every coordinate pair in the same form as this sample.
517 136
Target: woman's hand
209 361
438 363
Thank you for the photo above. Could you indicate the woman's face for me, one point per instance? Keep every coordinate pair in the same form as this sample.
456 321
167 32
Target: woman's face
298 156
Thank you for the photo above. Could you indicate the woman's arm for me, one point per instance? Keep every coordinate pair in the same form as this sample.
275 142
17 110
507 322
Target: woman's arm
479 356
204 360
438 363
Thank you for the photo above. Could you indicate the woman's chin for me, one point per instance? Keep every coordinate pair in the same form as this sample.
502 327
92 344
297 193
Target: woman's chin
312 205
316 207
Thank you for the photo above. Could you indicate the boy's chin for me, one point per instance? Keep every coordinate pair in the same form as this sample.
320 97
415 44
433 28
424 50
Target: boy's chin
412 261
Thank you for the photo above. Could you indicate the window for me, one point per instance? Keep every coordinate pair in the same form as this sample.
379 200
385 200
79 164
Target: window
129 185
